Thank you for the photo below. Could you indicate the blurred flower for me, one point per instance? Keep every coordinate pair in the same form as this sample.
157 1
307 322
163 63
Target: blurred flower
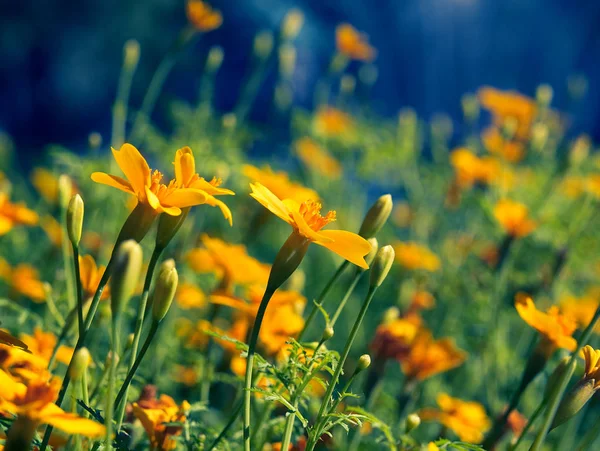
516 423
185 375
23 279
412 255
555 329
12 215
92 241
279 183
317 158
202 16
402 214
505 105
331 122
90 275
157 417
42 344
510 150
306 221
35 401
471 169
190 296
353 44
300 445
53 229
581 309
393 339
514 218
573 186
46 183
428 357
467 419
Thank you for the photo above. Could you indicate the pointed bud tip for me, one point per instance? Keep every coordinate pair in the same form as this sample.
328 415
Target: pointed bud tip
75 212
382 265
164 292
377 216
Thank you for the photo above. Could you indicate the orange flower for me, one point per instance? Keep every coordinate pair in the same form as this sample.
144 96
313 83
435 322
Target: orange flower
185 375
331 122
306 220
279 183
353 44
514 218
556 329
46 183
35 401
428 357
581 309
471 169
393 339
90 277
415 256
155 415
53 229
12 215
466 418
317 158
202 16
23 279
7 339
190 296
147 186
505 105
592 365
510 150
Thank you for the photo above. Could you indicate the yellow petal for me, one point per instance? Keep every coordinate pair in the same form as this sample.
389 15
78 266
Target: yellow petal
270 201
5 225
306 231
134 166
112 180
214 202
70 423
185 197
185 166
348 245
211 189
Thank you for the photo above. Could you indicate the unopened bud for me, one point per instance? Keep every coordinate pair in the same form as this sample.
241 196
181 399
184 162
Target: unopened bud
125 275
109 359
168 226
574 401
65 189
377 216
391 315
131 53
580 150
292 24
412 422
81 361
347 84
287 260
75 219
263 44
544 94
130 339
327 333
287 60
556 375
214 59
372 253
94 140
364 362
381 265
470 106
166 285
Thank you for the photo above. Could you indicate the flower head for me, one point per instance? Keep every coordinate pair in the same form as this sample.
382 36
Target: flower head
190 296
592 365
514 218
12 215
156 416
317 158
510 150
412 255
505 105
90 275
23 279
331 122
202 16
353 44
393 339
471 169
279 183
307 222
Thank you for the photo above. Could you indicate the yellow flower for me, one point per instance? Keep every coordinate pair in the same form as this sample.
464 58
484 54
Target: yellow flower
394 339
153 416
317 158
428 357
23 279
592 185
514 218
573 186
510 150
353 44
279 183
505 105
35 401
555 328
230 262
471 169
307 222
331 122
202 16
42 344
415 256
90 277
592 365
53 229
580 309
12 215
46 183
467 419
190 296
146 185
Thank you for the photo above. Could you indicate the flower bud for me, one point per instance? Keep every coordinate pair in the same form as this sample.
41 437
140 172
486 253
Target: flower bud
65 189
292 24
376 217
364 362
287 260
129 343
381 265
287 60
109 359
327 333
137 224
391 315
470 106
263 44
412 422
166 285
574 401
94 140
214 59
125 275
347 84
131 53
168 226
544 94
81 361
75 219
372 253
556 375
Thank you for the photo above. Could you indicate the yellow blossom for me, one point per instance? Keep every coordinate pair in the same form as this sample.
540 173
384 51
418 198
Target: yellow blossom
46 183
12 215
580 309
190 296
514 218
202 16
154 414
279 183
331 122
317 158
393 339
353 44
53 229
90 275
510 150
592 365
412 255
470 168
505 105
23 279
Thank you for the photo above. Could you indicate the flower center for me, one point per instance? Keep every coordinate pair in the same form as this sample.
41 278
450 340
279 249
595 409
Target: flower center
311 212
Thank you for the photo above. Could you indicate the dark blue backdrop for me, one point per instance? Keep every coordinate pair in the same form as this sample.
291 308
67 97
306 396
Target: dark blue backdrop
60 59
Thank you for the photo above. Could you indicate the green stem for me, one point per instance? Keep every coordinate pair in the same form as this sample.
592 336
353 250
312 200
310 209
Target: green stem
108 414
340 366
79 289
321 298
56 314
373 396
289 427
228 426
561 384
119 116
71 298
532 419
357 274
250 361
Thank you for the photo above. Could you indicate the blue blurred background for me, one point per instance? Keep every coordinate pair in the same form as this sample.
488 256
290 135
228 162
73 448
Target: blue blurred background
60 59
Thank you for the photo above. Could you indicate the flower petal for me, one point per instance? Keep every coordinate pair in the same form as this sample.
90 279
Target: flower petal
185 166
214 202
134 166
348 245
112 180
72 424
185 197
271 202
306 231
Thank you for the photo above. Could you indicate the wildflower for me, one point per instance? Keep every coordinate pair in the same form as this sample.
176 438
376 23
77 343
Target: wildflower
331 122
41 344
279 183
90 275
53 230
510 150
471 169
23 279
317 158
190 296
505 105
12 215
229 262
428 357
573 186
555 328
7 339
353 44
300 445
513 217
515 423
157 417
467 419
202 16
185 375
46 183
412 255
35 402
307 222
580 309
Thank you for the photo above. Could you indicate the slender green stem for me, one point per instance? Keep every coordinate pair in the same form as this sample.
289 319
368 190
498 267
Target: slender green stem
119 116
561 384
79 289
139 323
54 312
532 419
85 391
96 389
250 363
357 274
71 297
339 367
321 298
370 402
289 427
228 426
108 414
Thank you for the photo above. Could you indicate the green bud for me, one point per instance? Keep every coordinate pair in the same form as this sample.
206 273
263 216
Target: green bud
364 362
129 343
109 359
327 333
81 361
164 292
412 422
292 24
75 219
470 106
287 260
263 44
544 94
574 401
391 315
168 226
214 59
372 253
381 265
347 84
131 53
287 60
376 217
125 275
94 140
65 189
